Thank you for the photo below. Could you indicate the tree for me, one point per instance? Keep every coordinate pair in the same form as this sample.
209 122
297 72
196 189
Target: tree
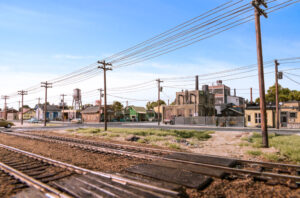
117 106
151 105
285 94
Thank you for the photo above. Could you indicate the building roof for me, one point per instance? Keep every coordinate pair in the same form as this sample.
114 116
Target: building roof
256 107
236 110
26 110
49 107
95 109
91 109
139 109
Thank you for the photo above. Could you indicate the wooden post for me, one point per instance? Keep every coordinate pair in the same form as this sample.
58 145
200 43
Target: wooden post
264 129
158 102
100 101
105 68
46 85
63 113
22 93
277 96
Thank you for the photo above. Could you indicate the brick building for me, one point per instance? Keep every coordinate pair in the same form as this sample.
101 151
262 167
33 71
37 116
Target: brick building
223 97
191 103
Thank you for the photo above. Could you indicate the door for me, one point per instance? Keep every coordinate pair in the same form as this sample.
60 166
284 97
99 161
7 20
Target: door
283 119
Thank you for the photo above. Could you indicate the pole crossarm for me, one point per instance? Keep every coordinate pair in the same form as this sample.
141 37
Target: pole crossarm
257 4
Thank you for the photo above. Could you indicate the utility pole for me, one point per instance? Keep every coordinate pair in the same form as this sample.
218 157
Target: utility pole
258 13
22 93
39 101
251 96
19 105
63 101
196 82
100 101
277 96
158 102
46 85
5 106
105 68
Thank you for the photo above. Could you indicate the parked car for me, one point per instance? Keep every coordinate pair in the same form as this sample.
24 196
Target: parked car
76 121
5 123
33 120
170 121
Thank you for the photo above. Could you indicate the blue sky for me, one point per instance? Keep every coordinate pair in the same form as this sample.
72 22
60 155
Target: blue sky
44 39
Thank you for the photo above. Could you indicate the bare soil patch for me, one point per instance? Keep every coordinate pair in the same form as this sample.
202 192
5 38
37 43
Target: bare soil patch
246 188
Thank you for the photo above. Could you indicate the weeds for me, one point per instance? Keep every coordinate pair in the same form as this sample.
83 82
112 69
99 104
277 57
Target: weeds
172 146
255 153
288 146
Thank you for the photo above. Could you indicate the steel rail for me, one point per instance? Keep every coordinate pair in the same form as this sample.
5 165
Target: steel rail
164 151
48 190
153 157
114 178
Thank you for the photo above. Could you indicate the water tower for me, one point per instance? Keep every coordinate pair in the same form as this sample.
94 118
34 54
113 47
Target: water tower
77 103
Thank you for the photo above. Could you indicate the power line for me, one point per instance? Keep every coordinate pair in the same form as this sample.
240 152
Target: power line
291 79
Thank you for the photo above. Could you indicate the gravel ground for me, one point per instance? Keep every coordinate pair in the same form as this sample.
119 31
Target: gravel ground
109 163
7 185
246 188
78 157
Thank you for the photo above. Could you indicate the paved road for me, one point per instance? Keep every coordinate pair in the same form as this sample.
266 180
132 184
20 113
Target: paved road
61 125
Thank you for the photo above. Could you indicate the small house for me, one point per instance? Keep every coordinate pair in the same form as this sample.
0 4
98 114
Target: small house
91 114
253 116
12 114
27 114
134 113
53 112
290 114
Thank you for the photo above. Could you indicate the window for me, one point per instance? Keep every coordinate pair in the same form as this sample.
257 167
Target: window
257 118
249 118
293 115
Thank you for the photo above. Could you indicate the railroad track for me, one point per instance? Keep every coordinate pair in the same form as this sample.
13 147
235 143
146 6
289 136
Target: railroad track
57 179
208 165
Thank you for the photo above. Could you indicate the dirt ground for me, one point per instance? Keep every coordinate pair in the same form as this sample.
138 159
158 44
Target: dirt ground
221 143
224 143
246 188
78 157
227 144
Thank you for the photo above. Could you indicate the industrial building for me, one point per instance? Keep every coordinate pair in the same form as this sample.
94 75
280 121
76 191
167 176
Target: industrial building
191 103
223 98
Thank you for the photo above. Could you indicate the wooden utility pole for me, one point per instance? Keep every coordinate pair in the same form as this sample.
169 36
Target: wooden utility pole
196 82
158 101
100 101
258 13
105 68
22 93
63 101
5 106
277 96
46 85
251 96
39 101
